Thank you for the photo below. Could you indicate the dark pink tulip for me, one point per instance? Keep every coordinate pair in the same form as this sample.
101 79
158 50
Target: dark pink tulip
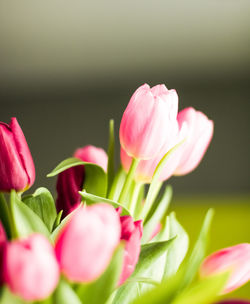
147 121
86 244
199 135
70 181
235 259
17 169
30 268
234 302
131 233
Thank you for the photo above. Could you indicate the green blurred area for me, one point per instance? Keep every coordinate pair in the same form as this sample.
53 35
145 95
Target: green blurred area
231 223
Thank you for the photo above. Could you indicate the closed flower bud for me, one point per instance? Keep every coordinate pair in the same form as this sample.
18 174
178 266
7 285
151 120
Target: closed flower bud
86 244
30 268
235 260
17 169
199 135
70 181
131 233
147 121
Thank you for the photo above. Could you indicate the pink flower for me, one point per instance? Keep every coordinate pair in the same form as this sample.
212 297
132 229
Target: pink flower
131 233
146 168
199 135
3 242
30 268
86 244
70 181
17 169
147 122
235 259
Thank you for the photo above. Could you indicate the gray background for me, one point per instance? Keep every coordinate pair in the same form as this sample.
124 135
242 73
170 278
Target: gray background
67 67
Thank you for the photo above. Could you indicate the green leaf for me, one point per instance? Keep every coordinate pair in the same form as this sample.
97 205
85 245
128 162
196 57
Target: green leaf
5 216
25 220
111 156
100 290
150 253
203 292
117 184
64 294
57 220
42 203
63 223
157 215
6 297
199 251
95 179
178 251
90 198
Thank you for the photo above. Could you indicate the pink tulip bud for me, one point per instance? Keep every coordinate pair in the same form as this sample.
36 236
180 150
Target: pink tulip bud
70 181
86 244
30 267
131 233
146 168
235 259
147 121
17 169
199 135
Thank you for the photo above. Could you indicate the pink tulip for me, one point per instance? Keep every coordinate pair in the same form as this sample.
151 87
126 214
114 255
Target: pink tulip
239 301
70 181
148 120
146 168
199 135
3 242
17 169
86 244
235 259
30 268
131 233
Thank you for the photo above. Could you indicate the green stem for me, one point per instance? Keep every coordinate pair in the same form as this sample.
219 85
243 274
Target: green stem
134 199
5 216
128 180
151 196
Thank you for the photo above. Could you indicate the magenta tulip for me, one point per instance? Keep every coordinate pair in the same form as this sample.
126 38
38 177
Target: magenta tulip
131 233
199 135
148 120
235 260
17 169
86 244
70 181
239 301
30 268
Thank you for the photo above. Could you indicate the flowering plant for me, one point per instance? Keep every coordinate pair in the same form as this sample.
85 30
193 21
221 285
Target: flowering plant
107 239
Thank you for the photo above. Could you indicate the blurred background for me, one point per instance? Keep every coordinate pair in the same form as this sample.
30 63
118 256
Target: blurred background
67 67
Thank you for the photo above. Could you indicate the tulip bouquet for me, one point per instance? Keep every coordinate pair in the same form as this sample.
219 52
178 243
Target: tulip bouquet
109 237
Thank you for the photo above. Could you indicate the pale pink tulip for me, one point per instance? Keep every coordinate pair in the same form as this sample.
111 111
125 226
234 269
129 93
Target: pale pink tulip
131 233
86 244
235 259
70 181
146 168
199 135
30 268
148 120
